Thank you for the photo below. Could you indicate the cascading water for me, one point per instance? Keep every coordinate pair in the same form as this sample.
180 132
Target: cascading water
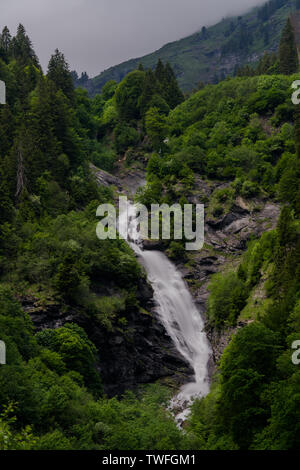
177 311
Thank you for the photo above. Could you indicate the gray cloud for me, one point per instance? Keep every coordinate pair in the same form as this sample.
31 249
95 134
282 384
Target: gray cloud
95 34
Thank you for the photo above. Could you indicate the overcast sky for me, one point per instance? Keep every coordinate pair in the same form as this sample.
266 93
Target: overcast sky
95 34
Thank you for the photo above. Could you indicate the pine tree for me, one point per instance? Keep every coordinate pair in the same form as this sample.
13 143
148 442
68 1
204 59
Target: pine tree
150 87
160 71
174 95
288 55
5 42
59 73
170 90
22 49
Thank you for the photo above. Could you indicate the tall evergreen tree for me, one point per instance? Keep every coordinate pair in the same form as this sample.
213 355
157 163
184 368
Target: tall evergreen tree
22 48
59 73
174 95
168 83
5 42
151 87
288 55
160 71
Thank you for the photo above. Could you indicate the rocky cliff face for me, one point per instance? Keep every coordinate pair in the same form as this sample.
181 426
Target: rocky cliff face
137 354
226 239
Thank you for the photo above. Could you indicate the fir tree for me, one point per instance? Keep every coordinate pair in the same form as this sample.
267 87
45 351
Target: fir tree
59 73
151 87
160 71
174 95
22 49
170 90
288 55
5 42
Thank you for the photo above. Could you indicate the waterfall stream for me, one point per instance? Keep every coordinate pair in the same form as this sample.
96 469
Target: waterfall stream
177 311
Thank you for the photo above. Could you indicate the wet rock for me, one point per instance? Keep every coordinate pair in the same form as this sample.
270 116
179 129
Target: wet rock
103 178
154 245
226 236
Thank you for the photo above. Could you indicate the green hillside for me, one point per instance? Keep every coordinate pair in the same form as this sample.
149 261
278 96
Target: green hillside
215 52
88 365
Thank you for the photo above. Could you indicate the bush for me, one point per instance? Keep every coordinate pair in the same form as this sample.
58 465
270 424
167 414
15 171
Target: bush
249 189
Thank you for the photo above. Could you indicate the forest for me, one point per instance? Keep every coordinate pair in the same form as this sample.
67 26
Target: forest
243 133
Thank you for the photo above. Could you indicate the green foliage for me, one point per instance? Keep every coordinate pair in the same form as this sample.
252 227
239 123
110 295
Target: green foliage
227 298
156 127
288 55
75 349
125 137
139 424
127 95
240 132
58 72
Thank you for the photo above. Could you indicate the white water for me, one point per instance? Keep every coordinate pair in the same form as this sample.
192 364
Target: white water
177 312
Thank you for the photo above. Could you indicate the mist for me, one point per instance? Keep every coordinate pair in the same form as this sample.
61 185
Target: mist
96 34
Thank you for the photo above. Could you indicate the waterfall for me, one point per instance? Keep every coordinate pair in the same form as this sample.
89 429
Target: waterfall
177 311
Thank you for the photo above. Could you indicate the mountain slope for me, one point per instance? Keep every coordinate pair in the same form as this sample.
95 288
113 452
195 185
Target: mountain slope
214 52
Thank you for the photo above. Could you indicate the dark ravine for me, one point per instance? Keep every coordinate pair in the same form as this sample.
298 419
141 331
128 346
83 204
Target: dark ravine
142 352
225 241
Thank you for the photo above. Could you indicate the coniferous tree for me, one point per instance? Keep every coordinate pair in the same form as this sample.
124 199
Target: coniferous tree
288 55
5 42
22 49
170 90
174 95
59 73
160 71
204 32
151 87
